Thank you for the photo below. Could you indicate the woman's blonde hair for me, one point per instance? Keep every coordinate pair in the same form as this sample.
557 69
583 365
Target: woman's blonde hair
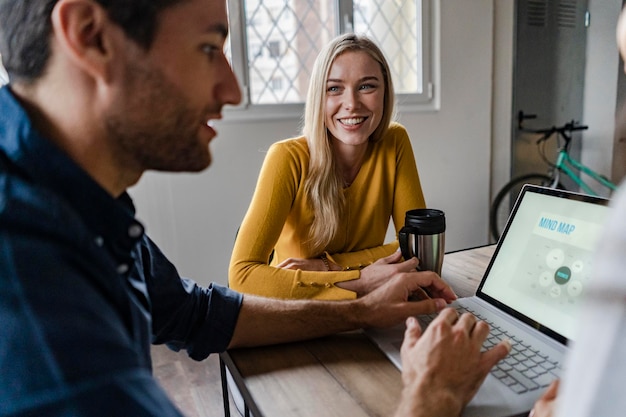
324 182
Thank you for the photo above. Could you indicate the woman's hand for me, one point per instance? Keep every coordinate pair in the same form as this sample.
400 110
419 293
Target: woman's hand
376 274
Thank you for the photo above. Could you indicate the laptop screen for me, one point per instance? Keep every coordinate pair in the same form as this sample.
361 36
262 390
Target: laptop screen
543 264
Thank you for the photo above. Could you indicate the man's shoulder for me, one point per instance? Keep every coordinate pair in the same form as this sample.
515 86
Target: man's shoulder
26 206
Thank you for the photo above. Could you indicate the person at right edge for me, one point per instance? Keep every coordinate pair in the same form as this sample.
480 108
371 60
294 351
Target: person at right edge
592 384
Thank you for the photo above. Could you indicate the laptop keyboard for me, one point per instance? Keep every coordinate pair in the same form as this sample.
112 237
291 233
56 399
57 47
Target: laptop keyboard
525 368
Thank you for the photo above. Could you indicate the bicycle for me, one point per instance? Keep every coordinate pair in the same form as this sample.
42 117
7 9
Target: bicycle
565 164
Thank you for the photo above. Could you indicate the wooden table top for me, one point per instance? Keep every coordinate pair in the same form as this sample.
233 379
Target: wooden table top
339 375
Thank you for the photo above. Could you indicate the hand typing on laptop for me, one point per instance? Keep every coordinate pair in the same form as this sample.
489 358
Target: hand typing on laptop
529 295
444 367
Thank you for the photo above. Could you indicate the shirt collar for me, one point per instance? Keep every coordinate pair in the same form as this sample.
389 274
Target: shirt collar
48 166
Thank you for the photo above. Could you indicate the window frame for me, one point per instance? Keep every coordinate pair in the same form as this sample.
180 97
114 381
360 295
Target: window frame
416 102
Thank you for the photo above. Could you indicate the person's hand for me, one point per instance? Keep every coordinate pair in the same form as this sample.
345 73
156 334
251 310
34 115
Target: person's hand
443 368
544 407
392 302
376 274
386 306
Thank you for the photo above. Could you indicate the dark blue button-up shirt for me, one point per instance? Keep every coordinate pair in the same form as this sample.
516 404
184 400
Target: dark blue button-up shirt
83 291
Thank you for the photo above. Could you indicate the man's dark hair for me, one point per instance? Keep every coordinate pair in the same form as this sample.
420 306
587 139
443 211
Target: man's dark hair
25 28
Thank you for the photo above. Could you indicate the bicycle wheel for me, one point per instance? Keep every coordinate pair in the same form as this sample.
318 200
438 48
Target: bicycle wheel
504 200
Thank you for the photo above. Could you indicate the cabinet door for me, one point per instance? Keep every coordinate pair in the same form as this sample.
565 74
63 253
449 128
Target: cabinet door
549 75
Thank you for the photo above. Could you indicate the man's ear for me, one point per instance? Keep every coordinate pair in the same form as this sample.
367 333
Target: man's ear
81 28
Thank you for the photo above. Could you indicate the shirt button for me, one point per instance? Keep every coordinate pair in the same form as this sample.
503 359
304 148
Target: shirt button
328 285
135 231
99 241
122 268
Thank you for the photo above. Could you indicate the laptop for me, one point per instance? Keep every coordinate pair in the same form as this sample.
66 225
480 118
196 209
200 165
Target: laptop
530 293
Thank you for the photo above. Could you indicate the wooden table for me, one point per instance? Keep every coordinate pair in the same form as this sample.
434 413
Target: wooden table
340 375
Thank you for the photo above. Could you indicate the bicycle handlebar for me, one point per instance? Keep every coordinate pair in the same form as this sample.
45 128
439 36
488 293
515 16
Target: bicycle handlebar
569 127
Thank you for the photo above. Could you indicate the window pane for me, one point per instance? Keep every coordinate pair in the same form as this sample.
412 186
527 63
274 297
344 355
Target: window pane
283 38
396 27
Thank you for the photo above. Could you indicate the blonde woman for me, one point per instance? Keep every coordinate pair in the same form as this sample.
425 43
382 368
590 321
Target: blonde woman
317 222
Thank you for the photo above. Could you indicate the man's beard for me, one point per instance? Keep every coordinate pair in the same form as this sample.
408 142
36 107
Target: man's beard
152 128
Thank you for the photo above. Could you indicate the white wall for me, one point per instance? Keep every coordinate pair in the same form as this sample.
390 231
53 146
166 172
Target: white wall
502 103
194 217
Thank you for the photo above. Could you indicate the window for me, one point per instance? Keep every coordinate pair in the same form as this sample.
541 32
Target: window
291 32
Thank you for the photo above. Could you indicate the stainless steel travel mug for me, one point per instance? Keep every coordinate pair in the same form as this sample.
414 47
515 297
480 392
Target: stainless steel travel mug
423 236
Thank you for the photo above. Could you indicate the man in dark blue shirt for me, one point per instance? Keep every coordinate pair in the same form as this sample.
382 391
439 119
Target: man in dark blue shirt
100 92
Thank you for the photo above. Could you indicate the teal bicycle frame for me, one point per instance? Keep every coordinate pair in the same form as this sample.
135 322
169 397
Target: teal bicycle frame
563 163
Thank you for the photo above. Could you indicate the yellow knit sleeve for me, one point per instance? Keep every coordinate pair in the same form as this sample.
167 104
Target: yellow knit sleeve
362 258
281 176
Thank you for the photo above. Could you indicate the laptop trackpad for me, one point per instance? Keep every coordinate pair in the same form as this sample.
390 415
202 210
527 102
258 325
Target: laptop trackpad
491 401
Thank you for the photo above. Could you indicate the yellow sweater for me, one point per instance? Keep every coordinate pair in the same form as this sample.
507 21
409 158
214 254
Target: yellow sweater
279 218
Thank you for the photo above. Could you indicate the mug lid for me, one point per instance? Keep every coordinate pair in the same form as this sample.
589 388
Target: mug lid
427 221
